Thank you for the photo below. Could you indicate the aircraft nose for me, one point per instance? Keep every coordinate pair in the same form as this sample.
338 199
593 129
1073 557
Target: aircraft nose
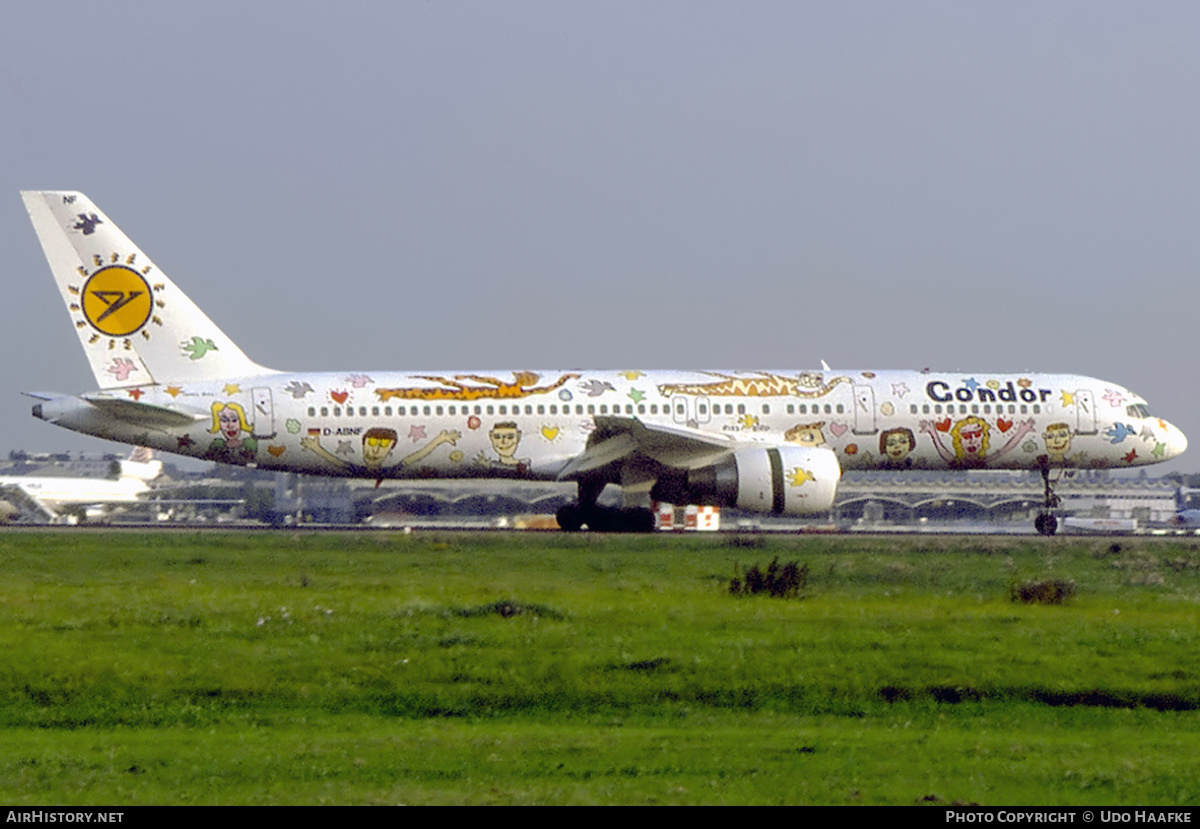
1176 441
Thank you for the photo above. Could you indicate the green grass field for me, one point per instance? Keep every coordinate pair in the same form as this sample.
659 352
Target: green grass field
207 668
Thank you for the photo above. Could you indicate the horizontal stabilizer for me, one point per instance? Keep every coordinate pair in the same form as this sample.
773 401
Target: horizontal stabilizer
142 414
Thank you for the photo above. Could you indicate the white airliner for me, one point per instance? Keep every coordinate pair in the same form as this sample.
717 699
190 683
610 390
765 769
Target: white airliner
57 498
767 441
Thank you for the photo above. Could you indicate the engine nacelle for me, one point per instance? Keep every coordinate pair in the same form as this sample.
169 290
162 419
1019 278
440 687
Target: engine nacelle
783 480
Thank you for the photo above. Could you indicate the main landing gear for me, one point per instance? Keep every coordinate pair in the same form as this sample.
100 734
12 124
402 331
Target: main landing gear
587 513
1046 523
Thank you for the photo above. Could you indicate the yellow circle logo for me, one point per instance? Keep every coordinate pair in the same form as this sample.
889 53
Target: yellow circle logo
117 301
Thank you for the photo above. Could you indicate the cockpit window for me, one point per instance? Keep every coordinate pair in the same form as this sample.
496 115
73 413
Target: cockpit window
1138 410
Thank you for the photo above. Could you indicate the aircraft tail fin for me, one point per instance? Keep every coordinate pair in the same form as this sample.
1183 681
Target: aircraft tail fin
135 326
141 465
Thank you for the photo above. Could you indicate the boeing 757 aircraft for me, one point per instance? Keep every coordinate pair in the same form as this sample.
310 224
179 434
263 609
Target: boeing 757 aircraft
767 441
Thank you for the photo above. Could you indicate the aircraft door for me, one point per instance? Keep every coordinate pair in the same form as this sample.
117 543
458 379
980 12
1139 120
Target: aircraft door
263 413
690 411
1085 412
864 410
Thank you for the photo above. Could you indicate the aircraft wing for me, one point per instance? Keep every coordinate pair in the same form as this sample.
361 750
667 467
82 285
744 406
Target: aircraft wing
617 438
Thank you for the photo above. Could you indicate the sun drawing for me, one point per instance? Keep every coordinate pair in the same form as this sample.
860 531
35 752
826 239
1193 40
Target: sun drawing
116 300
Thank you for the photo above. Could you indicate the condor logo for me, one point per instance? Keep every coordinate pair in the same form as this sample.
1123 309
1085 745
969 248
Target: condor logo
942 393
117 301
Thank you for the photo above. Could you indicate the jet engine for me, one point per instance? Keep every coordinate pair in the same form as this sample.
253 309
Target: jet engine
783 480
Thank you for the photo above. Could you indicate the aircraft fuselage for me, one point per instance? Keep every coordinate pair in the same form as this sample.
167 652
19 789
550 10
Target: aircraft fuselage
531 424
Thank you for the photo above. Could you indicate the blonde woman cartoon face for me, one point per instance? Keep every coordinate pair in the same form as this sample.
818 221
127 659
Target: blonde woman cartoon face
970 438
229 421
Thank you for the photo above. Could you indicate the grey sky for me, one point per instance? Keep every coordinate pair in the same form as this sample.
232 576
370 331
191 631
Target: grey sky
504 185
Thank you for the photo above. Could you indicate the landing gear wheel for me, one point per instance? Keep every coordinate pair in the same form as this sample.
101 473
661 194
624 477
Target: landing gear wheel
1046 523
641 520
570 518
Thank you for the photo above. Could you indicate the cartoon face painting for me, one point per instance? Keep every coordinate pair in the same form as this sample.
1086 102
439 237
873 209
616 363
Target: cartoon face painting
969 437
377 445
505 437
1058 441
895 446
806 434
228 423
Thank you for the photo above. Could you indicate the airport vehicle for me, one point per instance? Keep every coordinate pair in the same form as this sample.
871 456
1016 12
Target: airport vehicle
766 441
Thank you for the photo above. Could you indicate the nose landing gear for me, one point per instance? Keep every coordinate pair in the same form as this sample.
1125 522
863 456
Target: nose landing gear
1046 523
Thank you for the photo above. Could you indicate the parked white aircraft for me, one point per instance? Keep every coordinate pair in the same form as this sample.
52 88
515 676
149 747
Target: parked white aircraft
58 498
1186 513
768 441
